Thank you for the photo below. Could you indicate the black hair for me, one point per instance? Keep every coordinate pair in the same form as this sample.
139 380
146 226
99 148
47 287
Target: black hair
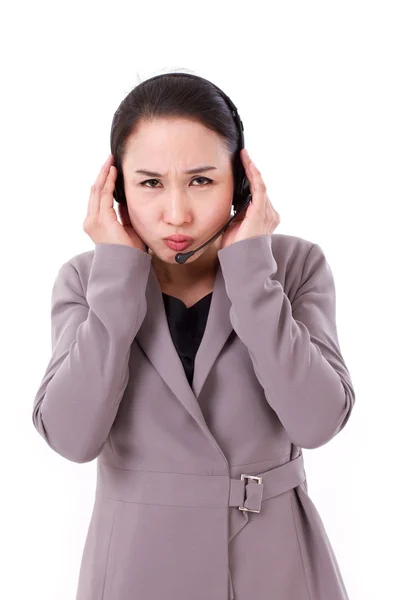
172 95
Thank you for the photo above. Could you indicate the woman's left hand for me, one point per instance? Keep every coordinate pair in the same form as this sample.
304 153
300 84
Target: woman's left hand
259 218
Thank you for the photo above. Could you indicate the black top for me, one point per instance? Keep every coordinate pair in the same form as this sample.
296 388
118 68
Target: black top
187 327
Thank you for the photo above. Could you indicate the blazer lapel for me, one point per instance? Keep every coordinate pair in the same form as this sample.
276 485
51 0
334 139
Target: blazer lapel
155 340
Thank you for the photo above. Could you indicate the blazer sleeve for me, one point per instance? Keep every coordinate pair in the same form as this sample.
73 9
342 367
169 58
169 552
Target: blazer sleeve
91 337
294 347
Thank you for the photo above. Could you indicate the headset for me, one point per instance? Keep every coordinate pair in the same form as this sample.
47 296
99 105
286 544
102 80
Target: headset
241 193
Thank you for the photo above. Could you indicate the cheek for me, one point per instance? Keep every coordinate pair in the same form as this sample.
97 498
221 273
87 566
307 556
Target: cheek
217 216
141 217
220 211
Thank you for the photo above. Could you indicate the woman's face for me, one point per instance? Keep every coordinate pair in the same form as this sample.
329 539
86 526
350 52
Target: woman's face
169 200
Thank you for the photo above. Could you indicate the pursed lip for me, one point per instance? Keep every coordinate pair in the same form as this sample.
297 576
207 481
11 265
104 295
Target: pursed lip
179 238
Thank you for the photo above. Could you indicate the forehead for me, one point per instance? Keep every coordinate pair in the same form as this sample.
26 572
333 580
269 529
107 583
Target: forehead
162 142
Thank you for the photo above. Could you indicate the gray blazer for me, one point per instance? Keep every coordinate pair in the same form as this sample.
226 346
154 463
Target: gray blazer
201 491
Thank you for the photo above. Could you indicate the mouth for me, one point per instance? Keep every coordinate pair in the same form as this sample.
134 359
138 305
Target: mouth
180 245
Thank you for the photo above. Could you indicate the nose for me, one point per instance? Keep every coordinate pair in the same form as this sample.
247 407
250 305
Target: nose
177 208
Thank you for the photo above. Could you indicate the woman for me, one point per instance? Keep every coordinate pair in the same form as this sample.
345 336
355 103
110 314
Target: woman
195 384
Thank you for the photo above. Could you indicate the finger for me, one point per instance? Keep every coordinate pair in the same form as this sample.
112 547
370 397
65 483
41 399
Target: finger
257 185
96 188
106 195
102 176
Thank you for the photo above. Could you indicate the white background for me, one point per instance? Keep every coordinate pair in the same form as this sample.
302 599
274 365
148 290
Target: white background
317 88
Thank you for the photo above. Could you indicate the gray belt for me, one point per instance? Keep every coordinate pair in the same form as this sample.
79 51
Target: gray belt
182 489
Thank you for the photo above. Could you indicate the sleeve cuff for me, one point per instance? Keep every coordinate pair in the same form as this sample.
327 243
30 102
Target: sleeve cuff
245 260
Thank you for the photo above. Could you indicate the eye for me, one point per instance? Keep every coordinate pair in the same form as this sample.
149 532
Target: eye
206 179
147 180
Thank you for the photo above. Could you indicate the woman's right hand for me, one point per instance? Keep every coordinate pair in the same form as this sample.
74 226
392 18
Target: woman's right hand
101 222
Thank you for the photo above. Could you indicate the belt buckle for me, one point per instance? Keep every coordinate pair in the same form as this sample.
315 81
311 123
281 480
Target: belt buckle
256 478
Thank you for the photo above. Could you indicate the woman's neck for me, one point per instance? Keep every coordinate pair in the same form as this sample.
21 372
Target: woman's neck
196 275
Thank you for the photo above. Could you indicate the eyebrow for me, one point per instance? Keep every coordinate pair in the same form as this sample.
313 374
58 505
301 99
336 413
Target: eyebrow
200 169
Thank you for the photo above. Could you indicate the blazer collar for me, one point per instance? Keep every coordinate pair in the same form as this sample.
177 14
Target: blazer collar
155 340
